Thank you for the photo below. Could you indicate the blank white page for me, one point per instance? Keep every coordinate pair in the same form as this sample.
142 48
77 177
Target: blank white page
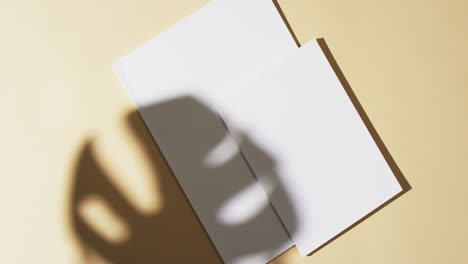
331 169
174 80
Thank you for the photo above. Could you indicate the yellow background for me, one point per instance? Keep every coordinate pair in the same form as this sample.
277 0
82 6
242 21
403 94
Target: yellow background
405 60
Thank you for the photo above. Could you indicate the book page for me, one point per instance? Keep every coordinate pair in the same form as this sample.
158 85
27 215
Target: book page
332 170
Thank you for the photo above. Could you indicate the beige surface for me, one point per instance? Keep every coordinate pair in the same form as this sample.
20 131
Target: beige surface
405 60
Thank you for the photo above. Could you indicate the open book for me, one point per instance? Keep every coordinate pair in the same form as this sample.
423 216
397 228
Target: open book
261 135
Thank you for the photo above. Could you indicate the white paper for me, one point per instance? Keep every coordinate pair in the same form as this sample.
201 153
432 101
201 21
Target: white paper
332 170
175 79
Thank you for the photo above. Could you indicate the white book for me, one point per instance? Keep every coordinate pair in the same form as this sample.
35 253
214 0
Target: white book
331 170
175 80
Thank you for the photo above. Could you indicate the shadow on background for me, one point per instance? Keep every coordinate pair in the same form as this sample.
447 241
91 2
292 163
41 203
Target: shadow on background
173 235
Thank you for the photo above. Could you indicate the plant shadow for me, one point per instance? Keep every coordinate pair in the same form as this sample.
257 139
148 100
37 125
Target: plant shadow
174 234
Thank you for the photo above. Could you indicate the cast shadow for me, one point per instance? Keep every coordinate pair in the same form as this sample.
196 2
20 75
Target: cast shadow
286 22
175 235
